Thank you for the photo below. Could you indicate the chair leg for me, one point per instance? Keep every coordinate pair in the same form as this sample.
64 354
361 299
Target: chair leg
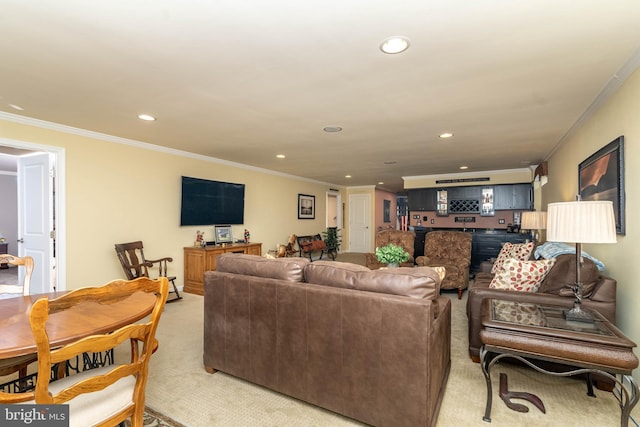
460 290
175 290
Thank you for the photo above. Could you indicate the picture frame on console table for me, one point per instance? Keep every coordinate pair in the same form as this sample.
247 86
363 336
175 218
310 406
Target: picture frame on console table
601 177
223 234
306 206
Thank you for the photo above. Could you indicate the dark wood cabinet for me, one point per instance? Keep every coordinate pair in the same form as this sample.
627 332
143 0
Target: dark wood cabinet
505 196
4 250
422 199
513 197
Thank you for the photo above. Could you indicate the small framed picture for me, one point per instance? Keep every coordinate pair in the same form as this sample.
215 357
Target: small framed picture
306 206
223 234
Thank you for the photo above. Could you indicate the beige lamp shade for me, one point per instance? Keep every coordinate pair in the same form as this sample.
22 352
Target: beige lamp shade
581 222
534 220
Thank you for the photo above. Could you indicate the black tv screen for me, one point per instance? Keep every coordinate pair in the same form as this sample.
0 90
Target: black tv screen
206 202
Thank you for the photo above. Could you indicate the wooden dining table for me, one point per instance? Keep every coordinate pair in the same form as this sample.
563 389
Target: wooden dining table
88 318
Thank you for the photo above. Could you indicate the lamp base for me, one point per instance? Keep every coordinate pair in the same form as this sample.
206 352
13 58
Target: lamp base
577 315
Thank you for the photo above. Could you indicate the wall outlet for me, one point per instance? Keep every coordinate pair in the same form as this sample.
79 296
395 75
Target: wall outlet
501 221
416 217
433 221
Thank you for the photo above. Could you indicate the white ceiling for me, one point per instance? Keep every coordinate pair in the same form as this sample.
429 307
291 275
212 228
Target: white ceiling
246 80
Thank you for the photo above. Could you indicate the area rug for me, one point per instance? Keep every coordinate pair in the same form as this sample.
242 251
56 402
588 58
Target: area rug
153 418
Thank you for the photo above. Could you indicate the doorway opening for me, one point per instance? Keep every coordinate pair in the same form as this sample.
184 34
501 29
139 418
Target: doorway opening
35 207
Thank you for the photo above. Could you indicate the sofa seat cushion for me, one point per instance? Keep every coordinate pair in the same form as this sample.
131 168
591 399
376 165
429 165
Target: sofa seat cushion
520 251
526 276
418 282
290 269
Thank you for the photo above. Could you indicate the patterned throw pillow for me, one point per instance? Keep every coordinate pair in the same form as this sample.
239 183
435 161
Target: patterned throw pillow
521 251
526 276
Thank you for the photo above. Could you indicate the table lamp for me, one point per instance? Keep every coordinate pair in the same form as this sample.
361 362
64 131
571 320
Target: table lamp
580 222
534 221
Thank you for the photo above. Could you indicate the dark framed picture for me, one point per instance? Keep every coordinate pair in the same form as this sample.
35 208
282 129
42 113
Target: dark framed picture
601 177
386 211
223 234
306 206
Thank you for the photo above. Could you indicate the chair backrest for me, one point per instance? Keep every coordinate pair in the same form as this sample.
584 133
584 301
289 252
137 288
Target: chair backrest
404 239
451 245
27 263
131 256
128 380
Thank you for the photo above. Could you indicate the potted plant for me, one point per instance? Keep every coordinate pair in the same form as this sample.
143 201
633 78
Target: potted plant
332 240
392 255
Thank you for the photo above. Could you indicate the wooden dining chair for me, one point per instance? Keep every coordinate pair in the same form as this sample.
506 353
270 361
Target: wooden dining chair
21 363
134 264
104 396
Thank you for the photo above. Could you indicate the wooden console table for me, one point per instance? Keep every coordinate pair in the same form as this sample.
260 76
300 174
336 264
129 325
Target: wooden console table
198 260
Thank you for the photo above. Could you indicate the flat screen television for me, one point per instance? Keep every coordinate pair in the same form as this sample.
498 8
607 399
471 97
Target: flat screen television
206 202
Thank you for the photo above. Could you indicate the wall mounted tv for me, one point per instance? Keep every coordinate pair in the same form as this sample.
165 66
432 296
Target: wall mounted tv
206 202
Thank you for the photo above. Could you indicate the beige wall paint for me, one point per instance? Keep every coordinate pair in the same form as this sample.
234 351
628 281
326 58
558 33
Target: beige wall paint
618 116
119 193
380 197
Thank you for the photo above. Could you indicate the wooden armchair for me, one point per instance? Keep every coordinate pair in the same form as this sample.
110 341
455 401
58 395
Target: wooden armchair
134 264
405 239
451 250
113 393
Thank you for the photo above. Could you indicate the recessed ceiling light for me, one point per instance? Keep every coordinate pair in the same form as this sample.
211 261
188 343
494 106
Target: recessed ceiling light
380 182
280 156
464 167
446 135
347 176
146 117
395 44
332 129
16 107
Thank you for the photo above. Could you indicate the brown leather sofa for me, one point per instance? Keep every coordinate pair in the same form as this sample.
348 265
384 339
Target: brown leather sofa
451 250
599 294
370 345
404 239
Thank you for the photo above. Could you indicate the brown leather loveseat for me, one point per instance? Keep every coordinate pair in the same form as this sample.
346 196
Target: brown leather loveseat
370 345
599 294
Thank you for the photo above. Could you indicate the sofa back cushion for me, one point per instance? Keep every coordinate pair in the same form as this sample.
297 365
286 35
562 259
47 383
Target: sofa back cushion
289 269
563 276
419 282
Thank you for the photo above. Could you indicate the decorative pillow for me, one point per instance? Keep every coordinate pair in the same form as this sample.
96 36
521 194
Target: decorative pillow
522 313
526 276
521 251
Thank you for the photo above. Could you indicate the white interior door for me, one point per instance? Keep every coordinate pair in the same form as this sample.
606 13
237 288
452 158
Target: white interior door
35 218
360 223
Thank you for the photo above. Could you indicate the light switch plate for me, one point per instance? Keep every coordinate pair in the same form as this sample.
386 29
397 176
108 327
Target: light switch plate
501 221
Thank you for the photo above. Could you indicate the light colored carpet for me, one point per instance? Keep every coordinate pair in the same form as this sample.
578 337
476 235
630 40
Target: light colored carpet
9 276
179 387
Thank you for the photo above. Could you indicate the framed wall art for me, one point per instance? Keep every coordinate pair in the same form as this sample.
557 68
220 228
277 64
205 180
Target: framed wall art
386 211
601 177
223 234
306 206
